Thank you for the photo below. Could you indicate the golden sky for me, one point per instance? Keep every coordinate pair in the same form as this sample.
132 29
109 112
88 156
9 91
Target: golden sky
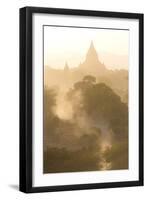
64 44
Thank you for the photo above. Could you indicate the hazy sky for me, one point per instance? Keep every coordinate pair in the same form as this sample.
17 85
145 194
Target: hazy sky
63 44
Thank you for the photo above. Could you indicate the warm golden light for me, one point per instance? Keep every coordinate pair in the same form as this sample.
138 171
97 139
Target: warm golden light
85 99
63 44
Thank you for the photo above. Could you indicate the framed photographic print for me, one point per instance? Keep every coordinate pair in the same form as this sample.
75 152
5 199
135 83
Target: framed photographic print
81 99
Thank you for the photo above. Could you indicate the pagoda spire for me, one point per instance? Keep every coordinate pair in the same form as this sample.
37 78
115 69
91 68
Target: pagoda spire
66 67
92 56
92 64
92 45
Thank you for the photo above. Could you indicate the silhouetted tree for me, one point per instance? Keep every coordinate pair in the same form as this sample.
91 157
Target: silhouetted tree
90 79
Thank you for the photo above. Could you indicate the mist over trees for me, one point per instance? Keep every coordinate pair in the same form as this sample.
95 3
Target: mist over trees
85 117
99 120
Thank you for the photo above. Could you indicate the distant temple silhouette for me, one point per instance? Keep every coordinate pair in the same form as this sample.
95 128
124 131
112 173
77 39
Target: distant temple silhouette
66 77
91 66
92 63
66 67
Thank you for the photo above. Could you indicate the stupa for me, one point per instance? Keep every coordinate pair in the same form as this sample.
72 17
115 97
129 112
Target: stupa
92 64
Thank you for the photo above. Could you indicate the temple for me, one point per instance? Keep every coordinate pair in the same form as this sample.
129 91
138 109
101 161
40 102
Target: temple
92 63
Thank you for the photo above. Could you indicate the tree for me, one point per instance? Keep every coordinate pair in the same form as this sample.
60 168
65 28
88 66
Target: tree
89 79
75 144
100 102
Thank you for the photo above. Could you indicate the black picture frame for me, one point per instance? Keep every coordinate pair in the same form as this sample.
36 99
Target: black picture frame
26 97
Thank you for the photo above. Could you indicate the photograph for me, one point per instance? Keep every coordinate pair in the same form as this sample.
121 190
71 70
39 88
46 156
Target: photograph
86 72
81 99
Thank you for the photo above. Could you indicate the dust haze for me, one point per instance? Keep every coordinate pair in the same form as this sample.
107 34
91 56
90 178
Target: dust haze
85 117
